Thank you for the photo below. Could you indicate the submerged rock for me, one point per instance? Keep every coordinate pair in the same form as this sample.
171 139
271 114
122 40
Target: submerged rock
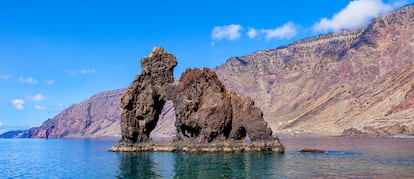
209 117
308 150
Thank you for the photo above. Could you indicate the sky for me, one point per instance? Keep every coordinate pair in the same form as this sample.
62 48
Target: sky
57 53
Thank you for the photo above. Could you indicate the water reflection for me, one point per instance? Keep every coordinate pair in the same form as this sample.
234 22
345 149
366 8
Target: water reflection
349 158
181 165
136 165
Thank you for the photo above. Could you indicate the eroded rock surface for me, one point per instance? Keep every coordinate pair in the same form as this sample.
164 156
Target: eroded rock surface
145 98
206 111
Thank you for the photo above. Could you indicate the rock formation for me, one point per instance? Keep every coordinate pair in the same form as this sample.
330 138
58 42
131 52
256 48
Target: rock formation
207 111
209 118
145 98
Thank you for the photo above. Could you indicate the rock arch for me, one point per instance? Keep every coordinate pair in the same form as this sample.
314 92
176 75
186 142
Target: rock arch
205 110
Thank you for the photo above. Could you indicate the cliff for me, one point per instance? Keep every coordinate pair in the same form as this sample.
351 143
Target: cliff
359 79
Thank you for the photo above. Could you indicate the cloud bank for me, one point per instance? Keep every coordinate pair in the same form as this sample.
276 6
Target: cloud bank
234 32
252 33
18 103
38 107
287 31
229 32
356 14
37 97
5 77
49 82
28 80
87 71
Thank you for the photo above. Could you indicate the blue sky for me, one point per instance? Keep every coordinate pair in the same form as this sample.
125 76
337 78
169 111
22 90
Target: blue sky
57 53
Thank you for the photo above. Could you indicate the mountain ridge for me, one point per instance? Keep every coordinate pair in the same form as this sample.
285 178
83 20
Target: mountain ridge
327 79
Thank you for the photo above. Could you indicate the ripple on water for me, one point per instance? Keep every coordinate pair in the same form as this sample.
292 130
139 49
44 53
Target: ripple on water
350 158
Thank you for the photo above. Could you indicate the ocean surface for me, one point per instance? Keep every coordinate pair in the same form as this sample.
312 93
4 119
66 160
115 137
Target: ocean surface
344 158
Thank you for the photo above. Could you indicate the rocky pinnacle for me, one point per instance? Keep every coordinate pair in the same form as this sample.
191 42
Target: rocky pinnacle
145 97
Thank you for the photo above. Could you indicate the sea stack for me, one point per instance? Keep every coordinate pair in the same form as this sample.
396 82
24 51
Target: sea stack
209 117
142 103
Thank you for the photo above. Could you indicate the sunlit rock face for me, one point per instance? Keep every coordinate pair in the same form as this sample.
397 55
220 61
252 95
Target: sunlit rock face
206 111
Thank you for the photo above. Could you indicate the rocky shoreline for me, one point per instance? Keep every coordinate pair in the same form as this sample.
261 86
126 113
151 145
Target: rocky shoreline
189 147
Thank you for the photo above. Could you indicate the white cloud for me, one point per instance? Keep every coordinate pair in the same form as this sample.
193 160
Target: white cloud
252 33
356 14
38 107
37 97
286 31
28 80
18 103
5 77
87 71
49 82
230 32
1 125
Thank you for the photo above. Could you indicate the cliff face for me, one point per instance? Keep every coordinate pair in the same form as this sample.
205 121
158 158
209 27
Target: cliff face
358 79
97 116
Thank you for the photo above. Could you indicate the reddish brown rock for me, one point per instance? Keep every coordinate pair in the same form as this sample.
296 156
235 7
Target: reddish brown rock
206 111
247 120
145 98
203 111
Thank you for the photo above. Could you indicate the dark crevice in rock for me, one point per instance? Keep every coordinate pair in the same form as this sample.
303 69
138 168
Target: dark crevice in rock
241 133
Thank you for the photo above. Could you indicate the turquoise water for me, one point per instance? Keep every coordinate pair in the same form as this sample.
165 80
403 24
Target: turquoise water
352 158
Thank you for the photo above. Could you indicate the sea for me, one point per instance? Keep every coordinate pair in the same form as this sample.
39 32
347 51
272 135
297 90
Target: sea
343 158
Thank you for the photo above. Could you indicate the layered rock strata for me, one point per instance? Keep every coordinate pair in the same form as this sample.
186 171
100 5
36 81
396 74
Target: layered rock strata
209 118
323 85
